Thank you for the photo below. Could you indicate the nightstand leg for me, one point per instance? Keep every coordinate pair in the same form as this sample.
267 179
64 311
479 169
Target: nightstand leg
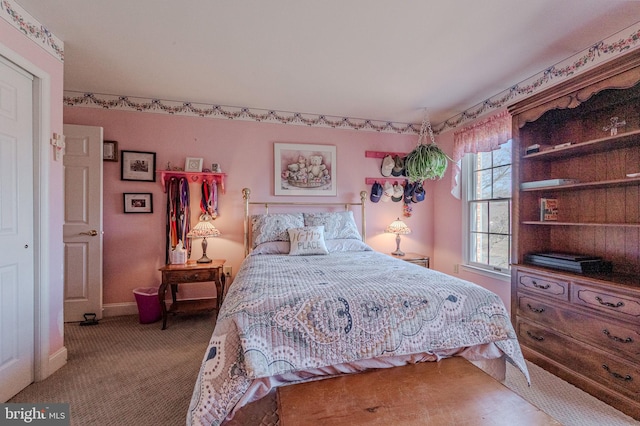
161 295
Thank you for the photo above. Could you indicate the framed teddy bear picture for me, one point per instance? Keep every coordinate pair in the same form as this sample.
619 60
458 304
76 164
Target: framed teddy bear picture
304 169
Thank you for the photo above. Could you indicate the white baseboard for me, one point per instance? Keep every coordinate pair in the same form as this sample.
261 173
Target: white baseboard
57 360
118 309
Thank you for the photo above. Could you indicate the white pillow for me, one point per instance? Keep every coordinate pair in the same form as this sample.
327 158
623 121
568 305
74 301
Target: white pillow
273 227
307 240
342 245
337 225
272 247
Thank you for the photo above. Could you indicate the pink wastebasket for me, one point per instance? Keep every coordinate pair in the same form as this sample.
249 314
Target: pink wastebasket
148 304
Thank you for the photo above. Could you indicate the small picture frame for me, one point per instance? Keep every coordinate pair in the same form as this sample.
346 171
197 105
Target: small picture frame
110 151
138 202
138 165
215 168
193 164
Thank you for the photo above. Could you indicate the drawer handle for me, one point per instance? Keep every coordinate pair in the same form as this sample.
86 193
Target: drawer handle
536 310
538 338
626 378
616 338
609 304
540 286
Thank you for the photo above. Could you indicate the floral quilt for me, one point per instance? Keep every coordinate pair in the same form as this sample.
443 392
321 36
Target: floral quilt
285 314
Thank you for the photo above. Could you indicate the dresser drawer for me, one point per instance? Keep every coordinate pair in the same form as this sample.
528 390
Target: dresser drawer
177 277
617 374
540 284
620 305
602 333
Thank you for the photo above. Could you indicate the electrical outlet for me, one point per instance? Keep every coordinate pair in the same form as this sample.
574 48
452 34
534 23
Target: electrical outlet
456 268
226 270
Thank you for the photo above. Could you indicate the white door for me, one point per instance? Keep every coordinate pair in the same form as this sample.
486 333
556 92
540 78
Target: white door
17 284
82 230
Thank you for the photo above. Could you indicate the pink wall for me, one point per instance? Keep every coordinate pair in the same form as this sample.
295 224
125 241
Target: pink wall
134 244
23 47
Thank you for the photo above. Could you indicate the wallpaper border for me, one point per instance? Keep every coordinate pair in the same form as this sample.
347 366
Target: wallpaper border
129 103
14 14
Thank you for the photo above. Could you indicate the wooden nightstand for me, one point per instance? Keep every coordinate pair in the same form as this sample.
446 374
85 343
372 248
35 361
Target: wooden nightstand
418 259
191 273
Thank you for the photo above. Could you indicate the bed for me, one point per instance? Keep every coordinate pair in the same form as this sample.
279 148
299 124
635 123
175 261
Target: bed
311 300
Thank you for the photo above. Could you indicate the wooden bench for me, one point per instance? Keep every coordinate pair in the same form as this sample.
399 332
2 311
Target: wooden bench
450 392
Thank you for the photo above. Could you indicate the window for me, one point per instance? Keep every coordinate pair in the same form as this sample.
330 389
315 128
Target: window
488 208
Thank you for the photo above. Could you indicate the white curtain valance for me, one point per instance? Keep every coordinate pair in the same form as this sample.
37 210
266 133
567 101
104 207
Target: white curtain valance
484 136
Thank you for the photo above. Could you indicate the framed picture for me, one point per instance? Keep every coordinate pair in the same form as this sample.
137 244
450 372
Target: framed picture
302 169
137 165
138 202
109 151
193 164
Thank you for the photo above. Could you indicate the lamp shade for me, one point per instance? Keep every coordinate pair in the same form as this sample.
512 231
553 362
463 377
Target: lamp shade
398 227
203 229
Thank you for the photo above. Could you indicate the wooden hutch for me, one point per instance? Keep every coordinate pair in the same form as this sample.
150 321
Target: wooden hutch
583 327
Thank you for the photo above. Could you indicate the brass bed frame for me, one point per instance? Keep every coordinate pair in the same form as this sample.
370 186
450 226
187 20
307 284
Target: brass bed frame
246 195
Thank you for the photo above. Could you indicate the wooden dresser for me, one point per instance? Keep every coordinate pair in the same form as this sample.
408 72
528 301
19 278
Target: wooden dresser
585 327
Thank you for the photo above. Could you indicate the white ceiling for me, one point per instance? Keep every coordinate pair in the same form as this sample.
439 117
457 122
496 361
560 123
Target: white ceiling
375 59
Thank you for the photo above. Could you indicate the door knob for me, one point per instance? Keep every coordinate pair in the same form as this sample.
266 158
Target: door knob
91 233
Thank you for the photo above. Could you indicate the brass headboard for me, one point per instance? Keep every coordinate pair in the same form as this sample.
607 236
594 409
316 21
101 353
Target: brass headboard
246 193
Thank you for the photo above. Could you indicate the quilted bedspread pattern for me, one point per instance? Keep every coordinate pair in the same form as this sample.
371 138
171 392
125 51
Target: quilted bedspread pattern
291 313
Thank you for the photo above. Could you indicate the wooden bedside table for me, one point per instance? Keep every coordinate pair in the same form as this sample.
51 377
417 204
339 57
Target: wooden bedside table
191 273
418 259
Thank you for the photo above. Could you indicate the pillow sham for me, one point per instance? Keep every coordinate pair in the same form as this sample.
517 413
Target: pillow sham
337 225
344 245
273 247
273 227
307 240
333 246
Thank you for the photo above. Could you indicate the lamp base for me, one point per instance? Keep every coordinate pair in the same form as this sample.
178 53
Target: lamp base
398 252
204 258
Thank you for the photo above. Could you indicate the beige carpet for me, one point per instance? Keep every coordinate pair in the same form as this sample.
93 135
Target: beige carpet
124 373
563 401
120 372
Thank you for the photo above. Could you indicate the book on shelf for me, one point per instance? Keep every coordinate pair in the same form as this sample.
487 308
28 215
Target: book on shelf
548 209
547 182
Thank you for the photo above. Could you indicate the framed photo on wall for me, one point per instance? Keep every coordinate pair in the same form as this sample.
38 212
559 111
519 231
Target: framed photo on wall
138 165
138 202
193 164
110 151
304 169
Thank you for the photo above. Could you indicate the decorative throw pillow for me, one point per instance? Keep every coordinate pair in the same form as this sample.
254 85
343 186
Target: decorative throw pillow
337 225
273 227
307 240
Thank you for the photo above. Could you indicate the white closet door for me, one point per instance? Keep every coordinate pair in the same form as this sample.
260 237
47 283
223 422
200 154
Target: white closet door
16 231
